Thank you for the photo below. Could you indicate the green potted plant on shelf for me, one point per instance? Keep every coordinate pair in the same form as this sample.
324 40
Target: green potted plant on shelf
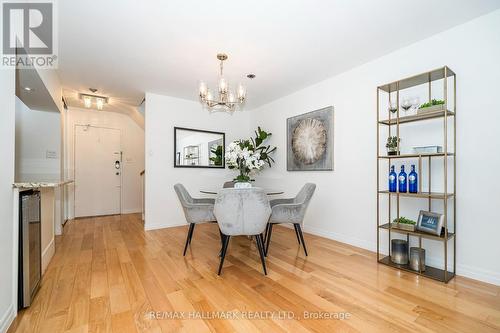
392 145
432 106
403 223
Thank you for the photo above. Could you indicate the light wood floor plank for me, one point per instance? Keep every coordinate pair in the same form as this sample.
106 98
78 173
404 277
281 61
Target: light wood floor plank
109 275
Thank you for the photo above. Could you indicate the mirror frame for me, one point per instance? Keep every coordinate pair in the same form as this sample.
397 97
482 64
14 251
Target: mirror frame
223 166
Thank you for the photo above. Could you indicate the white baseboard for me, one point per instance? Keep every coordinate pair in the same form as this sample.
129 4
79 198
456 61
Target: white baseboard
47 255
7 318
341 238
149 227
131 210
478 274
471 272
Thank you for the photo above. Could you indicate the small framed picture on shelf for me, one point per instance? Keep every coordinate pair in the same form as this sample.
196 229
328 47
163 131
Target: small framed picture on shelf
430 222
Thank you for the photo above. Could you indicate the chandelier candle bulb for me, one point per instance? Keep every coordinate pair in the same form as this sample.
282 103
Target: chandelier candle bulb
203 90
222 86
231 98
209 95
241 92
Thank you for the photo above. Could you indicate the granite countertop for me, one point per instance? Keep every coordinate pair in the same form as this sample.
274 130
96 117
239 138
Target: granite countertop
38 181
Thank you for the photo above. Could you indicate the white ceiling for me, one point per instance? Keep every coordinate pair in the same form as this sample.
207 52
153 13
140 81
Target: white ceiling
125 48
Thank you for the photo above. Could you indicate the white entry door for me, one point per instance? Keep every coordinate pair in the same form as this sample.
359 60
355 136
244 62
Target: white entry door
98 171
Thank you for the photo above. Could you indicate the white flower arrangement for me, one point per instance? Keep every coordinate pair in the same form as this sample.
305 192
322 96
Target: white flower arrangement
248 156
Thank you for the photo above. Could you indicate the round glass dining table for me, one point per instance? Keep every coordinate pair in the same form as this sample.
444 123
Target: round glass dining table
268 191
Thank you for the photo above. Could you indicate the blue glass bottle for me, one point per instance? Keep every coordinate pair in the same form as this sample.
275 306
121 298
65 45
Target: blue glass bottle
413 180
393 180
402 180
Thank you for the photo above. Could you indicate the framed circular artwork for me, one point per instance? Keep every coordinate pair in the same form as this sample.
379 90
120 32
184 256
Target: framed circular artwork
310 141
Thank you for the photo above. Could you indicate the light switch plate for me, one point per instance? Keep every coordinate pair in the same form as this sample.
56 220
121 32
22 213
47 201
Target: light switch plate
51 154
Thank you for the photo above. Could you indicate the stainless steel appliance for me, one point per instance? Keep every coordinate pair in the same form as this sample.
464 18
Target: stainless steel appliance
30 251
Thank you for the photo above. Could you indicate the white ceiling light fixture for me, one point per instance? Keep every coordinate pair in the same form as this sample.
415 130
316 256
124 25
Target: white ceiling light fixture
99 103
89 100
226 99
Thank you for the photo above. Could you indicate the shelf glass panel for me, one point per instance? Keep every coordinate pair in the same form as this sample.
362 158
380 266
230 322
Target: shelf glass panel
432 195
417 233
416 117
417 80
414 155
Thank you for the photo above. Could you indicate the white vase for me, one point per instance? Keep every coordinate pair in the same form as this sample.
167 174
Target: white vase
242 185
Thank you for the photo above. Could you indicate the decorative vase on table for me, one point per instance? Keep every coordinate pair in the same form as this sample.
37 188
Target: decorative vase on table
248 157
243 179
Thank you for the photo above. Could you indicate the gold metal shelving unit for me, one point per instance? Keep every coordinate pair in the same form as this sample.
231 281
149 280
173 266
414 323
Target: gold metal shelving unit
448 238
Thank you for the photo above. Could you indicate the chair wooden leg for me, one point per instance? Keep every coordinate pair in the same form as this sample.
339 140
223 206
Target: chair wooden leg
268 238
296 232
189 236
302 238
223 255
260 245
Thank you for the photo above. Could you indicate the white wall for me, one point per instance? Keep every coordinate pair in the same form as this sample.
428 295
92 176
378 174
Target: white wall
132 141
36 133
162 114
7 232
348 193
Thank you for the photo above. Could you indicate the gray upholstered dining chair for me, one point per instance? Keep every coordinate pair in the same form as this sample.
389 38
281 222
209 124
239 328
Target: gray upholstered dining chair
290 211
229 184
196 211
242 212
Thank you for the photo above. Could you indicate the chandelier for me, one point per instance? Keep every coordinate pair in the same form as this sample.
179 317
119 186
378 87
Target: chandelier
226 99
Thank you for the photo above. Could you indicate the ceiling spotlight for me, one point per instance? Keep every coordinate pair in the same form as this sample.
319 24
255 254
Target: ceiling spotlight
251 76
28 89
87 101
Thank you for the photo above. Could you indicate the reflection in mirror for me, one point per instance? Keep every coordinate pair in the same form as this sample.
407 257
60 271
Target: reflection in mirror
198 148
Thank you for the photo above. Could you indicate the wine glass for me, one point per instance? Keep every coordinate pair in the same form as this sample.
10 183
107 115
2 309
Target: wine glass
406 104
415 103
393 107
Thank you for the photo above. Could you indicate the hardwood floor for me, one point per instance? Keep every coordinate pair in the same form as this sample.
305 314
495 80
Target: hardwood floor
108 275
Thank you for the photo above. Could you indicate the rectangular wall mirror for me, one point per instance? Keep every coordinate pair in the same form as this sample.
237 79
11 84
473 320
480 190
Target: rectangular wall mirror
198 148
